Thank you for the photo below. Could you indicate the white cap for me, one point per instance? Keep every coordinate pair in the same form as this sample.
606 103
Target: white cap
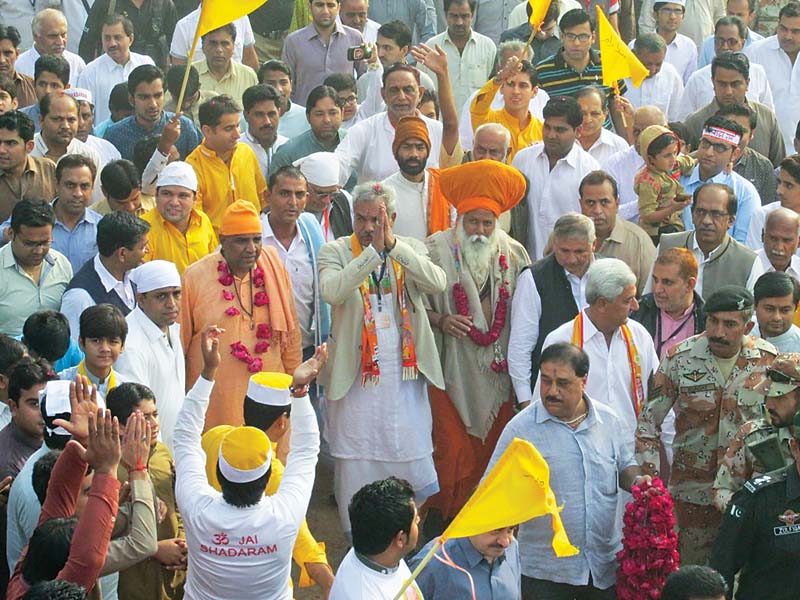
80 95
271 389
155 275
178 173
678 2
54 403
320 168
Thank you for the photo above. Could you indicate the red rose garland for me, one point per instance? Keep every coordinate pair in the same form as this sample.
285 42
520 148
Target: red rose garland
649 543
263 331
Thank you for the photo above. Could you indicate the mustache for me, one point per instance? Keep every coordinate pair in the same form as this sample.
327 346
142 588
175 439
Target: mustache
478 239
551 399
720 341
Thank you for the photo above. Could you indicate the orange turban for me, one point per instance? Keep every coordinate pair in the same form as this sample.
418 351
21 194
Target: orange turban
240 218
483 184
408 128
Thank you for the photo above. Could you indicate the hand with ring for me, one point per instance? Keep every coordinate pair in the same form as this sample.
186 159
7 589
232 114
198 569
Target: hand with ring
456 325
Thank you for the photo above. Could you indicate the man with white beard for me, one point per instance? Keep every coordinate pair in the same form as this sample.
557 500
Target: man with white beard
471 321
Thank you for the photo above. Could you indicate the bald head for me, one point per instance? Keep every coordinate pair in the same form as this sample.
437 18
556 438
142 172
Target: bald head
492 142
643 118
781 237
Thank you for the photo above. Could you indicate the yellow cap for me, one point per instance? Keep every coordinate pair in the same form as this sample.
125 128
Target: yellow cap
270 388
210 442
245 454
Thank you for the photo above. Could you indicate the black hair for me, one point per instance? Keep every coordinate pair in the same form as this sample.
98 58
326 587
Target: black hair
659 5
27 373
598 177
564 106
74 161
740 110
430 96
569 354
593 90
243 495
681 131
732 20
285 171
527 67
46 334
730 206
378 512
263 416
790 9
732 61
262 92
57 65
10 33
776 284
143 74
723 123
126 398
119 98
211 111
229 28
573 18
791 164
694 581
15 120
273 65
399 67
32 212
48 549
118 19
103 321
340 82
11 351
174 81
120 178
319 93
8 85
143 152
47 101
472 4
42 469
397 31
55 589
662 142
119 229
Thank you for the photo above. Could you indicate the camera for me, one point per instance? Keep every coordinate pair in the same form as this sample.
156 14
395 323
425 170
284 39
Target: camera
362 52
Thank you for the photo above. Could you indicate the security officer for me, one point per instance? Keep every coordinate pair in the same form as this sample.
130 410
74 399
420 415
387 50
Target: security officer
762 445
760 534
709 380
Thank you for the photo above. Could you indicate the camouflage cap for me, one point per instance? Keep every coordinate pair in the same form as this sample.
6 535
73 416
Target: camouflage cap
782 376
729 298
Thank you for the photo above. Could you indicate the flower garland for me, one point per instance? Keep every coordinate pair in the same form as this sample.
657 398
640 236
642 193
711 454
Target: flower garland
263 331
486 338
649 544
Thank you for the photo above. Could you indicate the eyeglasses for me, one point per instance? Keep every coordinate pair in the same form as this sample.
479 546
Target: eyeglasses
348 100
672 11
34 244
718 147
779 377
727 42
577 37
702 213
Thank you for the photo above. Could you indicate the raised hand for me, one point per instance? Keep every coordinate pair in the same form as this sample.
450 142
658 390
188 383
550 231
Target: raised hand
512 67
136 442
209 346
170 134
306 372
103 450
433 58
388 235
83 403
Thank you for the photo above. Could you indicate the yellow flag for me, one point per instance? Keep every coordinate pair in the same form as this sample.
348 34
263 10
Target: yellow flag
619 61
538 11
216 13
517 489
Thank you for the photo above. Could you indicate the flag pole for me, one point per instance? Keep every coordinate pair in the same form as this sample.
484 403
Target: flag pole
434 549
179 105
534 31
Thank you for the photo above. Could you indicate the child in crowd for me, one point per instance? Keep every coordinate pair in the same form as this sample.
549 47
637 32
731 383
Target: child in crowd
661 196
46 334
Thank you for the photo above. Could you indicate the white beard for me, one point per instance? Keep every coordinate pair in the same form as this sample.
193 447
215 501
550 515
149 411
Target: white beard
477 253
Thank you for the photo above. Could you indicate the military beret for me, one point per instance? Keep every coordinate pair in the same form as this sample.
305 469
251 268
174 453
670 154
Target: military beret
782 376
729 298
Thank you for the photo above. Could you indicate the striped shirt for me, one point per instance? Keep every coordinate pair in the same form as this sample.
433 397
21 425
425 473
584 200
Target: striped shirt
557 78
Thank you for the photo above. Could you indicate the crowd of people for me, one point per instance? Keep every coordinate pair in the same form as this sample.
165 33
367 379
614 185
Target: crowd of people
394 235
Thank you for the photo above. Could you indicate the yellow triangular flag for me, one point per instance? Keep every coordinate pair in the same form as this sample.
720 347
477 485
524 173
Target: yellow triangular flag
619 61
517 489
216 13
538 11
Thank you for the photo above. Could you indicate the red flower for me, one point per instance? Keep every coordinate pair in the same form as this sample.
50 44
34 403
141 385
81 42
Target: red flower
255 365
226 279
503 262
228 295
232 311
258 277
263 331
260 299
240 352
222 266
261 347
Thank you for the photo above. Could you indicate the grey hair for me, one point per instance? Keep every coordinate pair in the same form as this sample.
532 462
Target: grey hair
606 278
36 24
499 129
572 225
515 46
649 42
370 191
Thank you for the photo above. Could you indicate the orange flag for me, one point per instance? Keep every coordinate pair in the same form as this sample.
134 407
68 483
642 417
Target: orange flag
619 61
216 13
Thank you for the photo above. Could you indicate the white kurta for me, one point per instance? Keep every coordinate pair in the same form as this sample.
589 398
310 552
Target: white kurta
606 146
785 342
623 167
663 90
102 74
794 264
184 34
411 205
264 156
356 581
26 63
155 359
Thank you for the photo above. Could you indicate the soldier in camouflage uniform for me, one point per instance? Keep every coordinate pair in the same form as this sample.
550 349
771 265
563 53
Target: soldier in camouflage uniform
709 380
761 446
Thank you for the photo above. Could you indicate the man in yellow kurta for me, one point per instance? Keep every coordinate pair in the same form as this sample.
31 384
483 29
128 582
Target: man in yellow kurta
179 232
269 412
245 290
226 170
517 83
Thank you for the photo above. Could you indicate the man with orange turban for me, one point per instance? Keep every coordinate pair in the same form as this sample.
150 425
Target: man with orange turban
471 322
420 210
244 289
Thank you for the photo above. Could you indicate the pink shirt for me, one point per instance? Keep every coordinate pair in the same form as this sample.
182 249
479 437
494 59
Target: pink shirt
671 331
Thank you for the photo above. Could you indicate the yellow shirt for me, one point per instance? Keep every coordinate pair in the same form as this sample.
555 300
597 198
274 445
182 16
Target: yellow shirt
219 184
481 111
102 207
167 243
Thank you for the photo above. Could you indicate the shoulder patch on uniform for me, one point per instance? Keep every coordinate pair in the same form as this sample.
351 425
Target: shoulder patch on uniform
760 482
683 346
764 345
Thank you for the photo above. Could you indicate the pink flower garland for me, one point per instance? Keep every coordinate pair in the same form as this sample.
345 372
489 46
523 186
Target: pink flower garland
649 544
263 331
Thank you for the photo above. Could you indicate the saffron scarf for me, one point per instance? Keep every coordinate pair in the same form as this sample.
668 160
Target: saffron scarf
637 385
112 376
370 369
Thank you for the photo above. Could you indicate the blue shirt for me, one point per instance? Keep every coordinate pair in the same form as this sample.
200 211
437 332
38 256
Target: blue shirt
585 464
497 581
708 52
747 200
79 244
125 133
33 112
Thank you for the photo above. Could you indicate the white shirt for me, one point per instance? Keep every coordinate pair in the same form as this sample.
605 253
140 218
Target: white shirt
698 22
699 90
793 269
784 79
526 310
370 33
107 151
606 146
367 148
411 205
184 36
623 167
708 51
663 90
102 74
357 581
756 228
682 54
263 155
293 122
789 341
155 359
76 146
469 69
27 61
76 300
556 190
301 273
467 134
